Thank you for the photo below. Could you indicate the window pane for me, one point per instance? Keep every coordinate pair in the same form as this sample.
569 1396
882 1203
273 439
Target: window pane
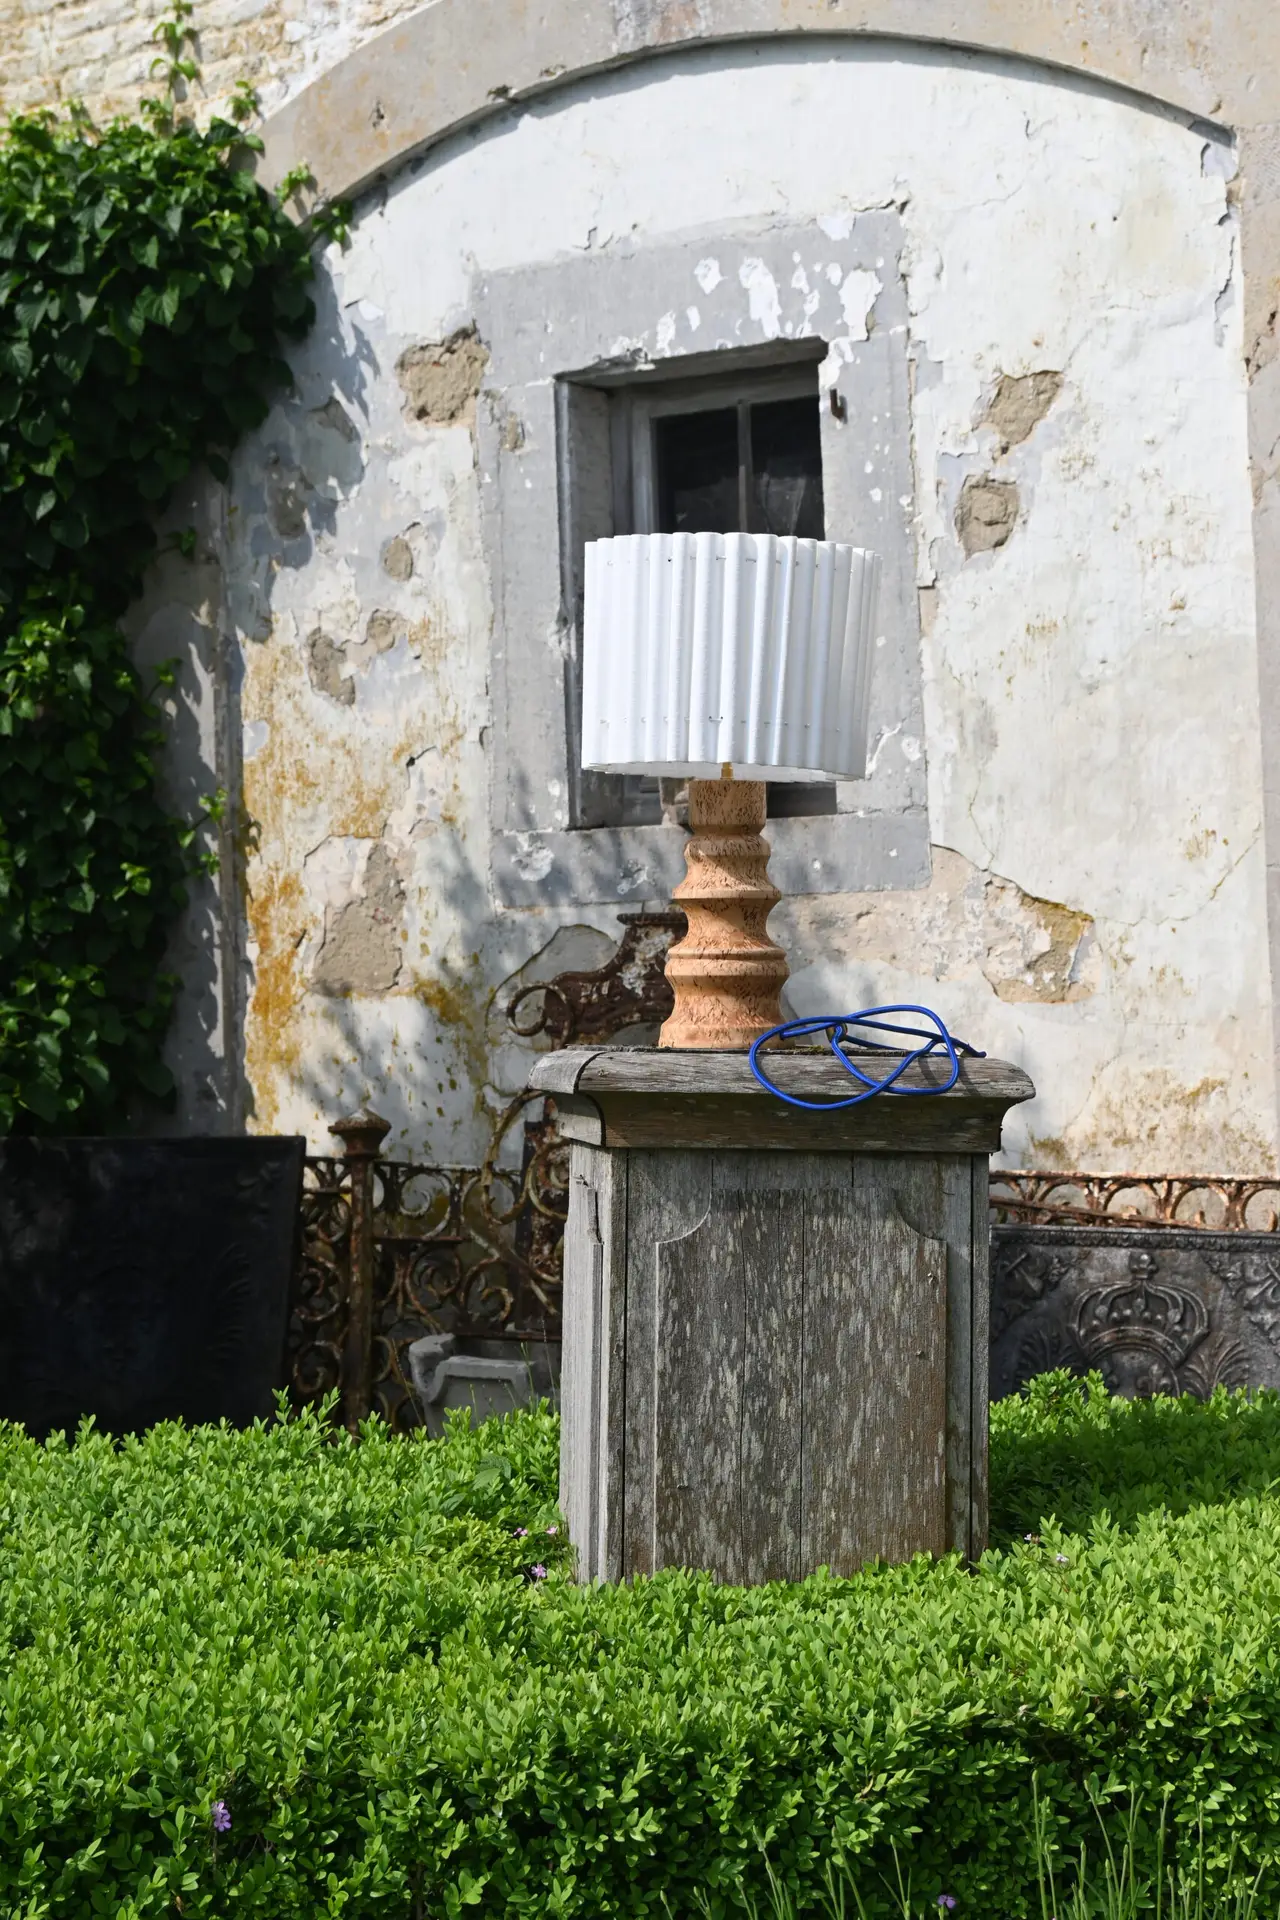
697 461
786 456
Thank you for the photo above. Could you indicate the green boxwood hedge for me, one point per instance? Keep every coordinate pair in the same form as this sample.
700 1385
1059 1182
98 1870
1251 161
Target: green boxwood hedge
280 1673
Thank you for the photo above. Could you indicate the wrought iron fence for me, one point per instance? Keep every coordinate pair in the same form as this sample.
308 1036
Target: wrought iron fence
395 1249
391 1250
1135 1199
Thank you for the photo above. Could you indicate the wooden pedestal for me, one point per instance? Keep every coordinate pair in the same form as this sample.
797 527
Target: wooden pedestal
775 1322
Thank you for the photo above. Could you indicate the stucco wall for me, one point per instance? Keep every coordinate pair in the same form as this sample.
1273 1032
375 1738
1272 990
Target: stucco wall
1090 751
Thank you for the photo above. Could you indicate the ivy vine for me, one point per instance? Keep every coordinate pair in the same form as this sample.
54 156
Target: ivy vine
145 283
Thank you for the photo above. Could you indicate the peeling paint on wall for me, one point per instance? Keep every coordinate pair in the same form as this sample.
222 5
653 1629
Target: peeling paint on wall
1089 740
986 514
1019 404
441 382
361 949
326 662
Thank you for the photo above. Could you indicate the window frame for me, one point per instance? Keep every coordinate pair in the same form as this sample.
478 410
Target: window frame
637 400
562 333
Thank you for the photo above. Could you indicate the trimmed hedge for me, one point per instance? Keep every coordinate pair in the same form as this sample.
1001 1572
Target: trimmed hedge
345 1651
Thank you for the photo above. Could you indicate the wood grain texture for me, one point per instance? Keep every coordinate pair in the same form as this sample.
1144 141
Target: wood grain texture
593 1358
581 1493
934 1196
980 1348
729 1358
726 973
700 1336
667 1196
722 1122
814 1074
751 1171
789 1378
874 1422
646 1097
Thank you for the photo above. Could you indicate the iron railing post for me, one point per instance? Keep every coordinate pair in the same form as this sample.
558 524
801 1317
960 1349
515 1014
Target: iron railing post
361 1135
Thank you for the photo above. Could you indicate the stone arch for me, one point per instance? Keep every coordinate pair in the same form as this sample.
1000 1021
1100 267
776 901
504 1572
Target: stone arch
454 63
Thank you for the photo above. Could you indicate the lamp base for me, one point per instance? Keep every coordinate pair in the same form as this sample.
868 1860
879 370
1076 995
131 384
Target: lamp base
726 973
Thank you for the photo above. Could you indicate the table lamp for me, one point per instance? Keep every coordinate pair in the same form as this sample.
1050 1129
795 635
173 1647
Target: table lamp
729 659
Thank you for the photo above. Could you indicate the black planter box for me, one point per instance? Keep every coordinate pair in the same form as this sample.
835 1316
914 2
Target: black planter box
144 1280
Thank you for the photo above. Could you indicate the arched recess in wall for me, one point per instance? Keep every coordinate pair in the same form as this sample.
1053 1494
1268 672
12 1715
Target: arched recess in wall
456 62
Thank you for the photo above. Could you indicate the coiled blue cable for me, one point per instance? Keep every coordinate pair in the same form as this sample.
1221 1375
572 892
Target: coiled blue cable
837 1028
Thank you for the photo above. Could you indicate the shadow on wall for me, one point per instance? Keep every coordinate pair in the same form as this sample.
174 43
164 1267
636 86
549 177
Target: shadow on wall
347 1045
188 614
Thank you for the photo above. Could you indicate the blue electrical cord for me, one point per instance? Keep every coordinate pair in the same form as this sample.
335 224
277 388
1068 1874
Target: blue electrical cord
836 1027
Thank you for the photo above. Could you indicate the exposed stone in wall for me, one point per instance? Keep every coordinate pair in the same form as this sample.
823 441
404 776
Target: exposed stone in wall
967 923
383 630
1035 949
1020 403
441 381
287 494
986 513
100 51
326 664
362 946
397 559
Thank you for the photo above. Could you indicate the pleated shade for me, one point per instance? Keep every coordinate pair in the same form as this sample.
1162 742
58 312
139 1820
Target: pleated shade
701 649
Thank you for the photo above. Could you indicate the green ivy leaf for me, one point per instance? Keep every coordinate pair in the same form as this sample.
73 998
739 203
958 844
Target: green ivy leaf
120 246
16 357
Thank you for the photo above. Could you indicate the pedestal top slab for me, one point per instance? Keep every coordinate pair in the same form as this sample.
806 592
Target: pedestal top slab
702 1098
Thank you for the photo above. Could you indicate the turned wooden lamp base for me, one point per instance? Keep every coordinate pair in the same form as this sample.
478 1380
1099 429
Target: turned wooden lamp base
726 973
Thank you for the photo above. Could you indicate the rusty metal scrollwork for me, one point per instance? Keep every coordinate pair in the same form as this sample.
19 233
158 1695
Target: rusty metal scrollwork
466 1250
318 1315
1114 1199
391 1250
629 990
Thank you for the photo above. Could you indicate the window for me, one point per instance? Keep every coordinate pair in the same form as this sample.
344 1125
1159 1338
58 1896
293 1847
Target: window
755 467
725 453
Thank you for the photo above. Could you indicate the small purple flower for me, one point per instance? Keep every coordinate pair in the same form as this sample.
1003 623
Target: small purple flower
1061 1559
553 1529
538 1573
221 1817
946 1901
522 1533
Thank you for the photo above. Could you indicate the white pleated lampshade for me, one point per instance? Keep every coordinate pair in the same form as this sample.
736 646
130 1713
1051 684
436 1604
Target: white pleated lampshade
745 649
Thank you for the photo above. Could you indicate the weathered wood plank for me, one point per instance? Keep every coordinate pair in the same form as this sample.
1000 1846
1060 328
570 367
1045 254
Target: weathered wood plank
874 1379
613 1239
781 1356
934 1195
698 1411
580 1491
780 1172
772 1267
579 1119
722 1122
728 1404
812 1074
593 1360
980 1344
667 1196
